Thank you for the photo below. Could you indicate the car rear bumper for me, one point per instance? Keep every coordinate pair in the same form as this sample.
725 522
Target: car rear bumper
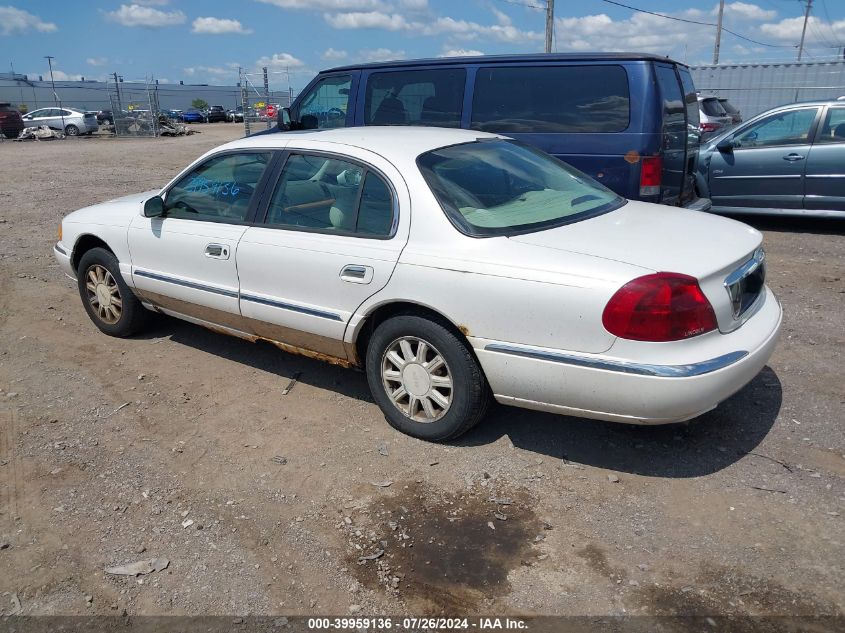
603 387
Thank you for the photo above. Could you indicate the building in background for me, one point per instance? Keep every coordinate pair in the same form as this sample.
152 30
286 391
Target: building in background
20 90
754 88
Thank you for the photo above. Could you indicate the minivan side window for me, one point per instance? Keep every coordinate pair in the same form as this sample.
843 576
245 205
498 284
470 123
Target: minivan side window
571 99
415 97
326 104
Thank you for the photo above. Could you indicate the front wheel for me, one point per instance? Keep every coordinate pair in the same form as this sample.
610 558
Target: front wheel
109 302
425 379
72 130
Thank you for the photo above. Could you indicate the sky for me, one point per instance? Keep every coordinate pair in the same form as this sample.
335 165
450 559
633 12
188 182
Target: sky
205 41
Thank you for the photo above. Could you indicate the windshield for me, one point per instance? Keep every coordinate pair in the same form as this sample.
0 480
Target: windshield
501 187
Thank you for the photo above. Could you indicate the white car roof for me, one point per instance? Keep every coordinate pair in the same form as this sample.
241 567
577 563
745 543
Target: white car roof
392 142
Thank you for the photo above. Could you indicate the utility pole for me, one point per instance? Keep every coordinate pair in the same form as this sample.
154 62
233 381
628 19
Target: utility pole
244 100
266 94
119 104
718 32
550 24
50 59
804 30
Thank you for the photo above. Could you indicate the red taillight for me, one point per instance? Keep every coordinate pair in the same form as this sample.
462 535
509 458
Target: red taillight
659 307
709 127
651 175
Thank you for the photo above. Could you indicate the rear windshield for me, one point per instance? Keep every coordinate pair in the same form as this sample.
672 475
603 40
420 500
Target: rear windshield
712 107
502 187
573 99
728 106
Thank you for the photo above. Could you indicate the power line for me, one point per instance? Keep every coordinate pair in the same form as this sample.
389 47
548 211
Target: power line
523 4
671 17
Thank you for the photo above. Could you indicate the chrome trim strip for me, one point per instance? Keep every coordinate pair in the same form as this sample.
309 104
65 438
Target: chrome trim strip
186 284
731 285
293 308
778 176
756 260
623 366
60 249
824 176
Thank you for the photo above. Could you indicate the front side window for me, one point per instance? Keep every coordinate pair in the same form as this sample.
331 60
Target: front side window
326 104
833 130
220 189
571 99
785 128
499 187
415 97
328 194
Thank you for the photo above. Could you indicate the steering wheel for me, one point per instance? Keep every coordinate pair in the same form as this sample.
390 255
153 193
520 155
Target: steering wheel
335 113
184 206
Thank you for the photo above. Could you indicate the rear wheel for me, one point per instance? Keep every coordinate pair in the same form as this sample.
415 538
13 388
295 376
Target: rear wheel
425 379
109 302
71 130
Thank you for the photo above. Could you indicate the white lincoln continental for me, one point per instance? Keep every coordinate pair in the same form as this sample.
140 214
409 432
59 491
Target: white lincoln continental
452 266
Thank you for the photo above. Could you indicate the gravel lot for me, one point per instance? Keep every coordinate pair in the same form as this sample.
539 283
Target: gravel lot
109 447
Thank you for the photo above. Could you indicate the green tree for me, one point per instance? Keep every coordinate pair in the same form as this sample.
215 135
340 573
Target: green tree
200 104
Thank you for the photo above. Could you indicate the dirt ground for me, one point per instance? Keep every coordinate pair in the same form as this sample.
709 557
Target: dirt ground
109 447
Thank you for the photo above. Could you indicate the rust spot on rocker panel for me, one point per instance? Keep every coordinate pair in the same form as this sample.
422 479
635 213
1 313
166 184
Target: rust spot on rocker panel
301 351
464 330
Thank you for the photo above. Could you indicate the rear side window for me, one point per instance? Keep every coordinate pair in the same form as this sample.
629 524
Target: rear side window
833 130
573 99
415 97
673 99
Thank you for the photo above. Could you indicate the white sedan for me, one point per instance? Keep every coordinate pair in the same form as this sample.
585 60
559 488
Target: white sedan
451 265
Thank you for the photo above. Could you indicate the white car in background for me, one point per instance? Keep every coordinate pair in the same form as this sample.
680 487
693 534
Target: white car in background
450 265
71 122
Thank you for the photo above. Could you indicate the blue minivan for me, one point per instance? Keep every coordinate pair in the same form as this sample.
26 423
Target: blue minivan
628 120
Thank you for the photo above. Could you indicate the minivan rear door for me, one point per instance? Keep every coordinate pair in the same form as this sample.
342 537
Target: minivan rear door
674 140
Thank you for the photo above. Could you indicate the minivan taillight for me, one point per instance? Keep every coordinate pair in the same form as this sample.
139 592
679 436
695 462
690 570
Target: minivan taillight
659 307
651 175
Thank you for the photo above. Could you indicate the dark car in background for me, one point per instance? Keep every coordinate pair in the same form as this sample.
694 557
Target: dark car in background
787 161
11 122
215 114
629 120
105 117
193 116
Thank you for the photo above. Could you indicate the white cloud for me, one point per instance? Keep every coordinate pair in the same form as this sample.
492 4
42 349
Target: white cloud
640 32
229 71
327 5
150 3
789 30
14 20
138 15
219 26
279 61
96 61
58 75
442 25
747 11
379 55
502 17
334 55
460 52
367 20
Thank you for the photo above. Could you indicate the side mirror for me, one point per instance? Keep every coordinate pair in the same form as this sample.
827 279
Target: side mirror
725 145
154 207
283 119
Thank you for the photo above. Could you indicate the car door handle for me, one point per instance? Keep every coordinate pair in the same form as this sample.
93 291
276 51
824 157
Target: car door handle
357 274
793 157
217 251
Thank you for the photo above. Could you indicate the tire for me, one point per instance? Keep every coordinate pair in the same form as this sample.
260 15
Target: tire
72 130
468 396
100 267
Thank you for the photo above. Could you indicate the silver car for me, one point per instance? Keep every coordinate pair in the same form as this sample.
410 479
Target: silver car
71 122
712 115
